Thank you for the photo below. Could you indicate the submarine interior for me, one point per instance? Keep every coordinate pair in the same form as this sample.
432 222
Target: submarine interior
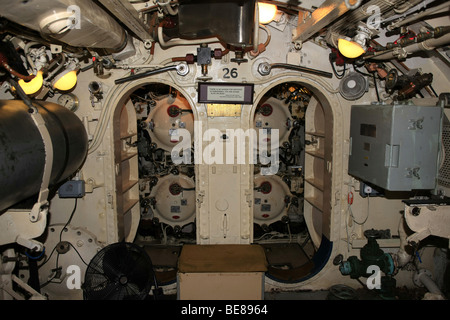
224 150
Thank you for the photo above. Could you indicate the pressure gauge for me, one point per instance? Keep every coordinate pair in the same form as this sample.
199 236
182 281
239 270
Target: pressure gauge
69 101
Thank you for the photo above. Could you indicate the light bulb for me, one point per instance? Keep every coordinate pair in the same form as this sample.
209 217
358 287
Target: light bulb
32 86
66 81
267 12
349 48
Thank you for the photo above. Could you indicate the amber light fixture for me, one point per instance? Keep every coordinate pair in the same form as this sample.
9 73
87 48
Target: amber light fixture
32 86
356 46
350 48
267 12
66 80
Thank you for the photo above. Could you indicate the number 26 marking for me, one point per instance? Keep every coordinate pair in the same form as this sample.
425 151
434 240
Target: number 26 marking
230 73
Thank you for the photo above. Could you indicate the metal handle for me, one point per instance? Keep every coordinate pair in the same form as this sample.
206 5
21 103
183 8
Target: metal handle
181 69
264 69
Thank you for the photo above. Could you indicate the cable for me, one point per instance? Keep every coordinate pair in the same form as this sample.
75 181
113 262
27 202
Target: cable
70 219
376 86
51 253
54 248
348 234
62 230
359 71
432 89
353 217
349 202
78 253
341 75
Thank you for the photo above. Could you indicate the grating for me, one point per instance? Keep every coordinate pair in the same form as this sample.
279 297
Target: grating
444 171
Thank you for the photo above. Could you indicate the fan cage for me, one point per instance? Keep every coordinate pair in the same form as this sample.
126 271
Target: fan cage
120 271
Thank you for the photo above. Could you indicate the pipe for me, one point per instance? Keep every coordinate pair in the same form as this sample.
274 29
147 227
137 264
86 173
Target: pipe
256 30
418 16
402 257
58 68
27 53
167 7
259 48
405 6
424 277
364 12
180 42
7 67
426 45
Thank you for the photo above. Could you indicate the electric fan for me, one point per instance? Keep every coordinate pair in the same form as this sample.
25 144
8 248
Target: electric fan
120 271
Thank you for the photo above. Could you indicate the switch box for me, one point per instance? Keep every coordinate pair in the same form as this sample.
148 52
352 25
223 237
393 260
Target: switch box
367 191
395 147
72 189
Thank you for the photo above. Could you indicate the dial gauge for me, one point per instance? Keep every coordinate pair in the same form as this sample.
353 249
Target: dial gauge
69 101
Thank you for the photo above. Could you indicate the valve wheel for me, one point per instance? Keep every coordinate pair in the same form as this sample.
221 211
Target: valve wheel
343 292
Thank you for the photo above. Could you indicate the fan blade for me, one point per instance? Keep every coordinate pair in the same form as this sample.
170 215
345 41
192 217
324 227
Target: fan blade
121 271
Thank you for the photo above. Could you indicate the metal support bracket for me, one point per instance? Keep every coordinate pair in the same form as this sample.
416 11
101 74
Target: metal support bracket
128 15
426 220
18 227
329 11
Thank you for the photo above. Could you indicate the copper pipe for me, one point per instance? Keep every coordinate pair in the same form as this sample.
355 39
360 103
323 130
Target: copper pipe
7 67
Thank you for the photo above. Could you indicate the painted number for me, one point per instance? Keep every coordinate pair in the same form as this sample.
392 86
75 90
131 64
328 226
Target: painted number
230 73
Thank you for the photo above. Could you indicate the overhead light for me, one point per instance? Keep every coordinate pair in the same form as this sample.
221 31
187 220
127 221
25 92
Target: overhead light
32 86
349 48
66 80
355 47
267 12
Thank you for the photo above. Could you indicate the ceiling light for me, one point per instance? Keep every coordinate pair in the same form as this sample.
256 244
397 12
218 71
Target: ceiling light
32 86
355 47
349 48
65 80
267 12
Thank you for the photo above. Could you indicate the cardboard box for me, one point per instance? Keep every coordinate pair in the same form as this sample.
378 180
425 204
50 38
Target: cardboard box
221 272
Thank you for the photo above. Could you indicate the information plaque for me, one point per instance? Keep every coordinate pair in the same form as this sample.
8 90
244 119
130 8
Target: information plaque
225 93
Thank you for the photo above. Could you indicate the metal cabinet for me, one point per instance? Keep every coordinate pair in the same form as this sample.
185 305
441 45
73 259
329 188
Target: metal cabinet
395 147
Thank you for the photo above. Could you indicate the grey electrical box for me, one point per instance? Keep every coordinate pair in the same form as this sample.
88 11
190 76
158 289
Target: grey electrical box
72 189
395 147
